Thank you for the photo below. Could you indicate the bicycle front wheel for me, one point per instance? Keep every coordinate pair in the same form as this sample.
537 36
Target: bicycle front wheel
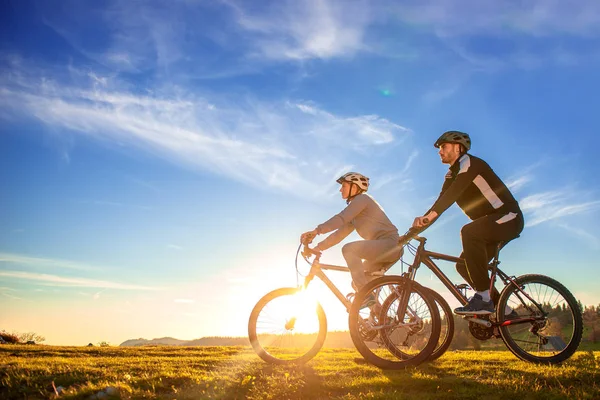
401 326
546 325
446 325
287 327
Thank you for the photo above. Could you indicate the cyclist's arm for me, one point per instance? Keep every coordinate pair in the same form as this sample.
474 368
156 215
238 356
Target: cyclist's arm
454 190
345 217
335 237
429 215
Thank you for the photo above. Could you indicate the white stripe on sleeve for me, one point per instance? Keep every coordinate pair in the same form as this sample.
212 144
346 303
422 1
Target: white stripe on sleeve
487 192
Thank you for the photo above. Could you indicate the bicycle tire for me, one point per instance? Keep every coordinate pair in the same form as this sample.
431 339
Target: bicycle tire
391 353
559 332
273 335
446 325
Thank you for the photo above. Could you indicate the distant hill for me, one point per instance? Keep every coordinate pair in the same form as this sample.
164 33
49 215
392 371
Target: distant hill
205 341
336 339
165 341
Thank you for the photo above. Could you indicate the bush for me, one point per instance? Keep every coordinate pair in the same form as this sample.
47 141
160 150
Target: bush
16 337
9 337
30 337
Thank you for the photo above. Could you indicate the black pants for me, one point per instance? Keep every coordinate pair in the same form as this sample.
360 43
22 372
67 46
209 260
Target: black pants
480 239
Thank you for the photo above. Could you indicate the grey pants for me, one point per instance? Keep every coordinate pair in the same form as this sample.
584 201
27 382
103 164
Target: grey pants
377 254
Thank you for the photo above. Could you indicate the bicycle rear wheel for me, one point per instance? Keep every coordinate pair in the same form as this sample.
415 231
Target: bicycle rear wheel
286 327
401 329
548 335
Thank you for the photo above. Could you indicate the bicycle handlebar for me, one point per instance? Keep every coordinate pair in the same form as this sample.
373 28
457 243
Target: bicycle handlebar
410 235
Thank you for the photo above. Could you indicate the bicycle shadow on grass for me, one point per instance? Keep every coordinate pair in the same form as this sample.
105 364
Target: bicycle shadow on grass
491 380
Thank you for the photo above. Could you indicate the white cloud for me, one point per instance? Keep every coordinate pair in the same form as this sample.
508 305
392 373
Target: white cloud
594 241
306 29
173 36
9 293
524 34
44 262
55 280
532 17
353 132
516 183
547 206
263 144
403 175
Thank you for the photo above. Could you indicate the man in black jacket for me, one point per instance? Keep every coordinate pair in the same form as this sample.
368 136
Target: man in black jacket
485 199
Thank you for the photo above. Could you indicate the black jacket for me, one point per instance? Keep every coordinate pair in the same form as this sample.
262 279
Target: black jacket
475 187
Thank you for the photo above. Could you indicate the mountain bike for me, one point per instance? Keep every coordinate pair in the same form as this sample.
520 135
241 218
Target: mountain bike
400 329
536 316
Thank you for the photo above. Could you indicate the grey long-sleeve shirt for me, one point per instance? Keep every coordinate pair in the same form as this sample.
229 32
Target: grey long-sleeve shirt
363 214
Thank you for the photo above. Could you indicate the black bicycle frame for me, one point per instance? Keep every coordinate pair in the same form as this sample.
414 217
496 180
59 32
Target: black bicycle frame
426 257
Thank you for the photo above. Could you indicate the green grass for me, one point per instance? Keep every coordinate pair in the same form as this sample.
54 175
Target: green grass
27 372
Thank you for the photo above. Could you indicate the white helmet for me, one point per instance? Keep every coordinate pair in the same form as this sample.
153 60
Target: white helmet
354 177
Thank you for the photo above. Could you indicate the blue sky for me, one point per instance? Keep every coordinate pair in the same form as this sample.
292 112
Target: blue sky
160 159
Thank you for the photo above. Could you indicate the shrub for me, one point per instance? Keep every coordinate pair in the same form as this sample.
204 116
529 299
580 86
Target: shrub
30 337
9 337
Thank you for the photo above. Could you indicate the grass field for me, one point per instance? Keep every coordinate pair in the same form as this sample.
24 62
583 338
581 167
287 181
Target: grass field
28 372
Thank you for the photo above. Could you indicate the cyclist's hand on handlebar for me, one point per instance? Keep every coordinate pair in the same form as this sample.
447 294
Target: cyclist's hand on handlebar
420 222
307 237
425 220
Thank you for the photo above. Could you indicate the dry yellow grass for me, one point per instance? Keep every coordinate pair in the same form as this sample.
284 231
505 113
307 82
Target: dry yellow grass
237 373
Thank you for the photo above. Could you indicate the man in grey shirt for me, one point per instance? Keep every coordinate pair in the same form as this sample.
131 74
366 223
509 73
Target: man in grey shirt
379 250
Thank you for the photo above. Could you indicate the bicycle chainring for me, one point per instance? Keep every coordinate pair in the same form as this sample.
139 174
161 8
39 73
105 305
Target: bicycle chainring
367 334
480 332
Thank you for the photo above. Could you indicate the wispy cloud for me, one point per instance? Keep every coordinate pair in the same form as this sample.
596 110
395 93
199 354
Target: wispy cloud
44 262
112 204
547 206
403 175
524 176
137 37
178 38
516 183
55 280
9 293
534 17
174 247
594 241
308 29
246 140
521 33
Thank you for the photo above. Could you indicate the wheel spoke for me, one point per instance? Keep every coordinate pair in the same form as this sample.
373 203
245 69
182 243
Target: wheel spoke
556 329
284 329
